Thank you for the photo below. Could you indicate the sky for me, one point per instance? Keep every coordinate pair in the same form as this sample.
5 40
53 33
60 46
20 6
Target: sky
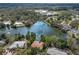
39 1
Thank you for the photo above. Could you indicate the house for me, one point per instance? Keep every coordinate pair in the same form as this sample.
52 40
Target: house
47 13
29 22
75 32
18 44
2 43
75 24
18 23
65 26
41 11
55 17
37 44
75 17
7 22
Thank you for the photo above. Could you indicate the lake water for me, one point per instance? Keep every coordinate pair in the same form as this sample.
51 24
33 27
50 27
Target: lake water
13 31
39 28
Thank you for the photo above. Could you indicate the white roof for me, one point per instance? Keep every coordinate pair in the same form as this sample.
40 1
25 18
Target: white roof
17 44
18 23
2 42
6 22
43 11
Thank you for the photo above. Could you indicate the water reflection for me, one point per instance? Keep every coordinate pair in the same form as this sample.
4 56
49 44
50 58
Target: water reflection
41 28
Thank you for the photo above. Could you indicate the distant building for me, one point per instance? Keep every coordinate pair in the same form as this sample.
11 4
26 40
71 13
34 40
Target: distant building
41 11
44 12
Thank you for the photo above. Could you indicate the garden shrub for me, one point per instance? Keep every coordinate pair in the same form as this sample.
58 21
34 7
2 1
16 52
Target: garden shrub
55 41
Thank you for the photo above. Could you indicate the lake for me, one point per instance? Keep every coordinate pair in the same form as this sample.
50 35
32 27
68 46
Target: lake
39 28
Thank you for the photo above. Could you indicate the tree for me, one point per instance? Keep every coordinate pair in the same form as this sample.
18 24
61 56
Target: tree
1 50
